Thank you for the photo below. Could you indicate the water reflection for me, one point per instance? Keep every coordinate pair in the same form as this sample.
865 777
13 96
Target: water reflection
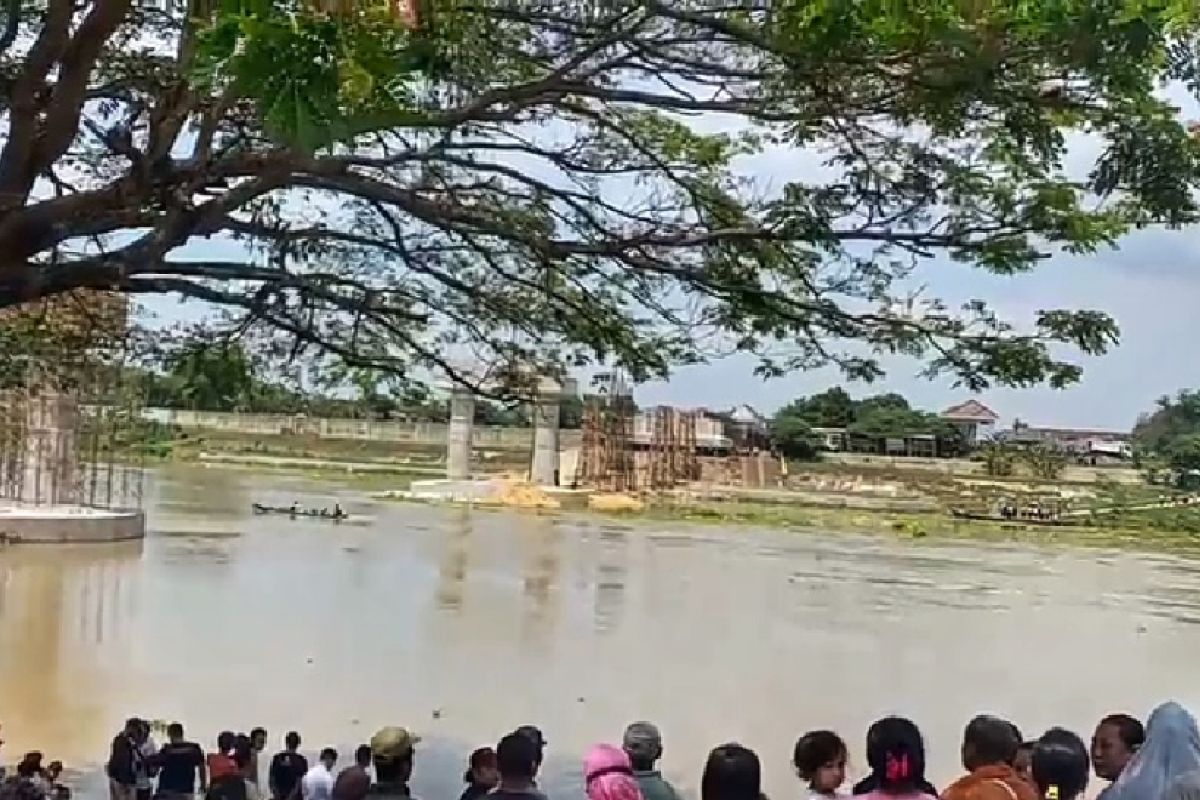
611 553
65 623
540 542
453 571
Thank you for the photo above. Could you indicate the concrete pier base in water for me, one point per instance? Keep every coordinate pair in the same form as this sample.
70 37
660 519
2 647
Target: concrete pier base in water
68 524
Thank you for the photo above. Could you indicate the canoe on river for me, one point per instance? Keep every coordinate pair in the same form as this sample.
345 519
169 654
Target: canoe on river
1056 522
336 515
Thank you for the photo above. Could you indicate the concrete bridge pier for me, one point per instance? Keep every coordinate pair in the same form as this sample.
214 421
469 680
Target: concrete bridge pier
458 434
544 469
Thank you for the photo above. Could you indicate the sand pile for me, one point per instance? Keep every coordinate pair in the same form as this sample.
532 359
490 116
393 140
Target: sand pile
615 503
519 494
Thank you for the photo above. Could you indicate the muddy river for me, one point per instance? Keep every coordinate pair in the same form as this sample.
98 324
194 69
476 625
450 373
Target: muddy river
464 625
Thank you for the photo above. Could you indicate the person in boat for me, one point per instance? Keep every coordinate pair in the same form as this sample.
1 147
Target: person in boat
989 749
1059 765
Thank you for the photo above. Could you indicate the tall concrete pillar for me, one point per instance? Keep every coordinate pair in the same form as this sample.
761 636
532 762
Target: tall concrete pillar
544 470
458 434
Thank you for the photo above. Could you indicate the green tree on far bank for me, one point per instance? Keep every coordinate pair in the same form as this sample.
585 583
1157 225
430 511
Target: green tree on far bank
1172 418
880 416
792 434
1183 452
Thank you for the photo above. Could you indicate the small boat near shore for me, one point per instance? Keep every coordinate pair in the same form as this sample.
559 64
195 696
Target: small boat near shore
1050 522
294 512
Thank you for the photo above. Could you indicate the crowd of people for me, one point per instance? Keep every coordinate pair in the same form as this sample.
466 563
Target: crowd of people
1157 761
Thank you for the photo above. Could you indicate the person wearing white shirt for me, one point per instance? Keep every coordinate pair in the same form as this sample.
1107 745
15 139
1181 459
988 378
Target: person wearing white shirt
317 783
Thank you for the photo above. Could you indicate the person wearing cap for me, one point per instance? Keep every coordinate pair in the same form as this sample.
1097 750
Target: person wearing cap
643 744
517 758
392 752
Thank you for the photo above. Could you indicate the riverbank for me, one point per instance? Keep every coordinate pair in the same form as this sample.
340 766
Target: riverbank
866 498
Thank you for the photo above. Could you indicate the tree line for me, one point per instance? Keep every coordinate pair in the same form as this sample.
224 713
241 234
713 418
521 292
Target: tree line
223 376
877 417
1169 436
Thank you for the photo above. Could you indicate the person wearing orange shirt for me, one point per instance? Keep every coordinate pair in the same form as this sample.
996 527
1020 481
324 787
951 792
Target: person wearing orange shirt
989 749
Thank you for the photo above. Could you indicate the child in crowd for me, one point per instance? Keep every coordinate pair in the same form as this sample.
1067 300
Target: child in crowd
1059 764
820 761
896 755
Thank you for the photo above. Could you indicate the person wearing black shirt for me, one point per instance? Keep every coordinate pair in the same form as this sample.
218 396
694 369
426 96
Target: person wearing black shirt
124 761
288 768
179 763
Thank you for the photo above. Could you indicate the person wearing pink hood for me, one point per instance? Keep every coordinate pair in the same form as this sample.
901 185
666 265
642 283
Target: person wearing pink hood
608 774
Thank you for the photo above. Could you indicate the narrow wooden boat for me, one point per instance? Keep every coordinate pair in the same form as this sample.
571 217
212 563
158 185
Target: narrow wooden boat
337 515
1050 523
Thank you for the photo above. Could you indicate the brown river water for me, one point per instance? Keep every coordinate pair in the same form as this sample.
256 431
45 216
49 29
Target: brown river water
462 625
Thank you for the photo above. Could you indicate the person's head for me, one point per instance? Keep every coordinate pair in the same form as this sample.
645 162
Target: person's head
988 741
351 784
292 741
820 760
517 759
608 774
54 770
258 738
482 769
328 757
1023 763
1060 765
732 772
362 756
242 745
31 765
1117 738
225 742
133 728
392 752
896 754
642 742
175 733
535 735
242 760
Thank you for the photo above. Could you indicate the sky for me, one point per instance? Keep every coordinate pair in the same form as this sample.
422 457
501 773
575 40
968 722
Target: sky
1150 284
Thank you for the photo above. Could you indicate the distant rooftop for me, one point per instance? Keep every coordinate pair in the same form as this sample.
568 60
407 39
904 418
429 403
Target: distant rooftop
970 411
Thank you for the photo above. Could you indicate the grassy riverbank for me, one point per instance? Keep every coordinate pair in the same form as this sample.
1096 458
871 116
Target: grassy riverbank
875 499
1166 530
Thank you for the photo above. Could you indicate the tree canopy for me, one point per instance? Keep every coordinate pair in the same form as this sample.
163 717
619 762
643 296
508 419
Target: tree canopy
876 417
537 183
1167 431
